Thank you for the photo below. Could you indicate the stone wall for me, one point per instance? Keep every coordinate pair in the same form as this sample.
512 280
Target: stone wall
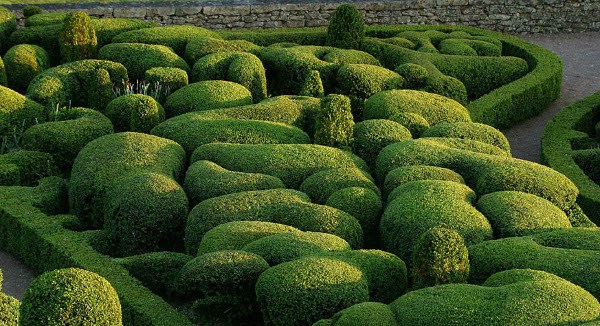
510 16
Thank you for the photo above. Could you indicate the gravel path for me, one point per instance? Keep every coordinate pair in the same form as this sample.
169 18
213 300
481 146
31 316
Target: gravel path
581 77
581 57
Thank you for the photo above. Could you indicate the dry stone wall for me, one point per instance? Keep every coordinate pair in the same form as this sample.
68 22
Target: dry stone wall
511 16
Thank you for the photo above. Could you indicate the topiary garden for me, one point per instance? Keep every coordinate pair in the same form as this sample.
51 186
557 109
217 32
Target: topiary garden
351 175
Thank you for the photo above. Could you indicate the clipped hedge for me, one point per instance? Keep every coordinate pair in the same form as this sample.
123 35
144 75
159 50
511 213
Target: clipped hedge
207 95
135 112
10 310
138 57
202 46
321 185
169 78
8 24
18 112
292 163
362 314
25 167
405 174
23 62
67 132
371 136
468 130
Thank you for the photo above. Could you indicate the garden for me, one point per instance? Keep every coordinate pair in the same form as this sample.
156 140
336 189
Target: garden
339 176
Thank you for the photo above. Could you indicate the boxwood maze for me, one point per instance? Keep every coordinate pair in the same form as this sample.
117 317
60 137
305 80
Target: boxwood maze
205 194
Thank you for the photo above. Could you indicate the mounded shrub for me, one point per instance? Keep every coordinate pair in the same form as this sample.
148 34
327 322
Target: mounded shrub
342 56
108 160
175 37
528 297
362 314
47 18
312 85
205 179
365 205
321 185
434 108
202 46
3 79
416 76
418 206
414 122
283 206
239 67
27 167
66 133
235 235
8 24
292 163
469 130
371 136
77 38
135 112
138 57
70 296
514 213
85 83
456 47
222 272
304 291
360 81
145 212
18 112
158 271
170 79
49 194
9 307
207 95
29 11
405 174
440 256
346 27
333 126
23 62
283 247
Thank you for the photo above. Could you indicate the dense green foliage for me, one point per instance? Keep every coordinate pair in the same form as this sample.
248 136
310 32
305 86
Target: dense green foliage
77 38
23 62
70 296
321 185
346 28
362 314
440 256
18 112
371 136
207 95
175 37
29 11
8 24
170 79
135 112
202 46
405 174
25 168
333 126
467 130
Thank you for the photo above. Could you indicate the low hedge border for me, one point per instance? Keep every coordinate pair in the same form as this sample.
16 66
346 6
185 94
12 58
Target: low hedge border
30 234
560 136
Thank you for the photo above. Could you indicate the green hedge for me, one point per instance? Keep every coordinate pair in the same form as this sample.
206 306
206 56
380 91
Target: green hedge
18 112
474 131
135 112
10 310
23 62
25 168
138 57
8 24
362 314
67 132
526 297
207 95
292 163
205 179
283 206
570 126
405 174
175 37
202 46
371 136
110 159
321 185
169 79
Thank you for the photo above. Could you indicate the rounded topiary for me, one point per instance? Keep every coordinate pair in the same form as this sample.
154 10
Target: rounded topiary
364 314
70 296
306 290
144 213
440 256
207 95
135 112
371 136
222 272
77 37
409 173
18 112
170 79
23 62
334 122
9 310
416 76
3 78
414 122
346 28
29 11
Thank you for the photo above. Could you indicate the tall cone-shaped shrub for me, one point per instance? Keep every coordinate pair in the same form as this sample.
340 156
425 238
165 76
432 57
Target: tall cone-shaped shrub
333 126
346 28
77 38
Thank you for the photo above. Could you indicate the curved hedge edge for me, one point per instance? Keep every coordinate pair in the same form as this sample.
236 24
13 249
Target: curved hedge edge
557 150
501 108
42 236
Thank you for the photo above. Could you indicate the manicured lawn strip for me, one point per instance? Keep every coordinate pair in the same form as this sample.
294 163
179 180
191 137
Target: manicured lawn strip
48 2
557 149
43 244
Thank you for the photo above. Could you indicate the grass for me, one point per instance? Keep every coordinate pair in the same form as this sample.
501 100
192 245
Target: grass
46 2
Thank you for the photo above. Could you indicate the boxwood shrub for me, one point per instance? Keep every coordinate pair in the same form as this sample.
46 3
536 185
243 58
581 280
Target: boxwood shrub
333 123
205 179
25 167
346 28
169 78
8 24
202 46
109 159
18 112
67 132
362 314
135 112
283 206
70 295
292 163
371 136
138 57
304 291
321 185
405 174
207 95
23 62
468 130
10 310
77 38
